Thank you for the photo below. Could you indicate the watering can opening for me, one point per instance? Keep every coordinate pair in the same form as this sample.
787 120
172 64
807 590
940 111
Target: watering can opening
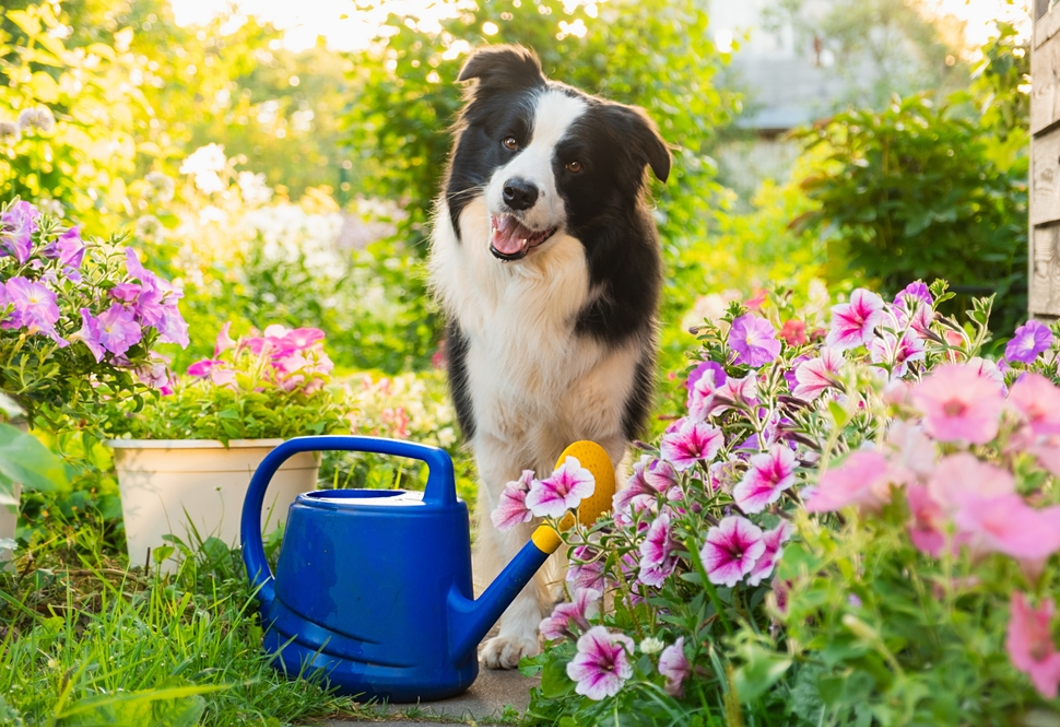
373 498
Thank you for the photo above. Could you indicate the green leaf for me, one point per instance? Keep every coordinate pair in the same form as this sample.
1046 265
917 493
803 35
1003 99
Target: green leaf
25 460
761 669
554 680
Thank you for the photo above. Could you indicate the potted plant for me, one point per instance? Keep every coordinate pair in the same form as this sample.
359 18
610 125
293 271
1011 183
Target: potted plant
184 460
78 320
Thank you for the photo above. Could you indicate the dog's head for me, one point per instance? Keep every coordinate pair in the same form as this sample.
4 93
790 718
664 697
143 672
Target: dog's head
546 157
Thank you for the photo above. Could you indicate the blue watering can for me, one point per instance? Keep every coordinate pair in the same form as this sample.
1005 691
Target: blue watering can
373 587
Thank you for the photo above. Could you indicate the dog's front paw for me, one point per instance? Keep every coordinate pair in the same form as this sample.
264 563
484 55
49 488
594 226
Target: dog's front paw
504 652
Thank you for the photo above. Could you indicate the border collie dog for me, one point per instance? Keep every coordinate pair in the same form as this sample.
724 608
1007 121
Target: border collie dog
545 259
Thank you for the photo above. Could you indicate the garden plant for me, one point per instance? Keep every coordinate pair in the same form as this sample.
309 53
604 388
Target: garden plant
845 511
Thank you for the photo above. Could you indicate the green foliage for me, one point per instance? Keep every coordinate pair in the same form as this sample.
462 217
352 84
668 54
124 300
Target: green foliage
405 101
911 192
99 129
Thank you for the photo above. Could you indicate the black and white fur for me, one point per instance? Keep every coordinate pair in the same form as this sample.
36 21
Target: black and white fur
553 342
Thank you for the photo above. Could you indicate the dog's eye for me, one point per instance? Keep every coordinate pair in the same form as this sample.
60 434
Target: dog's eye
574 167
510 142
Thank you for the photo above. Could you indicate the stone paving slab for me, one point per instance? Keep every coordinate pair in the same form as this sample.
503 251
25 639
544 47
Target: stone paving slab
485 701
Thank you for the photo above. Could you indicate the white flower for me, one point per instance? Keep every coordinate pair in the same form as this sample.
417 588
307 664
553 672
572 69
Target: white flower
9 132
38 117
652 645
204 164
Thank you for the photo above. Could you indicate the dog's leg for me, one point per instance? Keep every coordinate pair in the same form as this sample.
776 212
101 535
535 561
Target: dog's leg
518 625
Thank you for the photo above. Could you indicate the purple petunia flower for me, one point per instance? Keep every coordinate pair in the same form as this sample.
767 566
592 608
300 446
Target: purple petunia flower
754 340
562 491
601 665
768 475
853 323
1031 339
17 226
512 509
674 665
732 549
565 616
702 384
36 308
913 294
115 330
774 540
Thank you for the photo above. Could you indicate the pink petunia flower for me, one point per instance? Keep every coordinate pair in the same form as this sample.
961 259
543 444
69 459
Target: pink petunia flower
768 475
862 479
853 323
926 528
674 665
1029 642
817 375
657 559
562 491
1006 524
565 616
793 333
512 509
690 442
962 476
601 665
754 341
959 404
224 341
732 548
912 449
740 391
202 369
703 383
1038 401
897 352
774 540
1030 339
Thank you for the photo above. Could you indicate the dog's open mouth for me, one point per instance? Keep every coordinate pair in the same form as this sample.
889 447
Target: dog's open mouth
512 240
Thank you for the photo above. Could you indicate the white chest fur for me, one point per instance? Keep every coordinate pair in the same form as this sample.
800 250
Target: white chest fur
530 377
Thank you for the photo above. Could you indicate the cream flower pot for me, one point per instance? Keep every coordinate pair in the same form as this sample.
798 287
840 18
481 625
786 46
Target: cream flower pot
9 520
180 486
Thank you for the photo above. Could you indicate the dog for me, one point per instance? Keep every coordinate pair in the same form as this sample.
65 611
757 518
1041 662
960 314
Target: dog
545 260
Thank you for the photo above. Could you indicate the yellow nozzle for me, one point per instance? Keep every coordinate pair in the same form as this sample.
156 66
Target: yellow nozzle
593 458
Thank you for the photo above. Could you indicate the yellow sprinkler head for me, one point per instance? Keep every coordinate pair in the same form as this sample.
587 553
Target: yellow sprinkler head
592 457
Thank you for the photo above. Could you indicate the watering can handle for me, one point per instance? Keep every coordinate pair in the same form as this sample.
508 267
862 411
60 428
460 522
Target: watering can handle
440 490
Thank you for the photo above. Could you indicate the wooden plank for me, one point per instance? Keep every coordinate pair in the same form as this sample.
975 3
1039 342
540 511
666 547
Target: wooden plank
1046 27
1045 178
1045 75
1045 271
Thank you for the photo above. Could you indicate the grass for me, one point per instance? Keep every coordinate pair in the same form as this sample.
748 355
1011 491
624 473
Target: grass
85 641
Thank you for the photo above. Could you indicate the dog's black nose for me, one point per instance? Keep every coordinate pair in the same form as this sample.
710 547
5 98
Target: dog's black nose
519 194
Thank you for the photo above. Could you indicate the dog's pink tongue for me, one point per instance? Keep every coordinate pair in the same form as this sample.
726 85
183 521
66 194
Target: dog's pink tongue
509 237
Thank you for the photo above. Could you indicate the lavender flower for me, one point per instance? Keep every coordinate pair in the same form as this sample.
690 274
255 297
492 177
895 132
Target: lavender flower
1031 339
754 341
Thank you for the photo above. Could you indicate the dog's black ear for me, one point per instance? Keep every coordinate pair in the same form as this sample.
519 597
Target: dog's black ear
647 144
503 68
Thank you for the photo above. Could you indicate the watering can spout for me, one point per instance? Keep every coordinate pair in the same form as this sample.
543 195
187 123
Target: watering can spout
471 620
